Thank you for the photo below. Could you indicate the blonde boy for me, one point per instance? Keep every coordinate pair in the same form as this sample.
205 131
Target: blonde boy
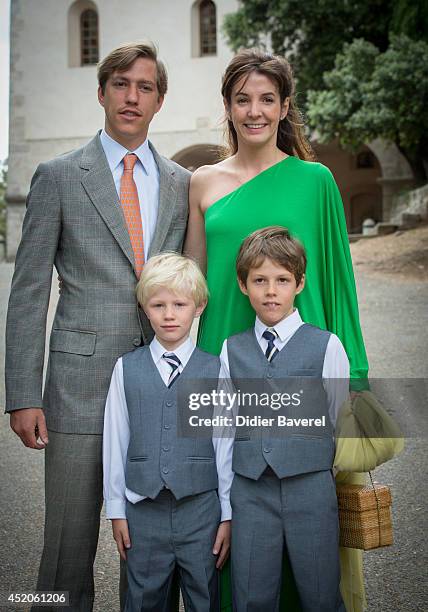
161 489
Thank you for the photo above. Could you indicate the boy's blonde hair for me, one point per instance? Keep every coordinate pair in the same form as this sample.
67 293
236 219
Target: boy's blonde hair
174 272
275 243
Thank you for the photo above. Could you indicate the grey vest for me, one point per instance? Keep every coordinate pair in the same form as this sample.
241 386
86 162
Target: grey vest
294 453
157 457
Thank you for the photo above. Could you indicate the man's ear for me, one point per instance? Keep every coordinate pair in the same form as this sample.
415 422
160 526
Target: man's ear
100 96
243 287
301 285
160 102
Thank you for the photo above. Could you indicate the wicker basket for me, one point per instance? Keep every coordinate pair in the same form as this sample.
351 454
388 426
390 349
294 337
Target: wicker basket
364 515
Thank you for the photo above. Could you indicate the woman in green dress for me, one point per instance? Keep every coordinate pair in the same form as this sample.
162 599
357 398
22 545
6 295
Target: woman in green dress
271 178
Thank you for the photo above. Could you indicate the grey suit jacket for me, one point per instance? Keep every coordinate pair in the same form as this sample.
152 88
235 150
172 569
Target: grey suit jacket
74 222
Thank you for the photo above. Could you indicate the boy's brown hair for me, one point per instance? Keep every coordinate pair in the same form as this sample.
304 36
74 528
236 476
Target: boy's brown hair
273 242
121 58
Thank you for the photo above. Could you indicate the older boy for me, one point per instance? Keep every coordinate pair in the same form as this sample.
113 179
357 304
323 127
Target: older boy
160 490
283 492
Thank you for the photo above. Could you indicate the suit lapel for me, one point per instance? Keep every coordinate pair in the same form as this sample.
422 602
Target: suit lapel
167 202
99 185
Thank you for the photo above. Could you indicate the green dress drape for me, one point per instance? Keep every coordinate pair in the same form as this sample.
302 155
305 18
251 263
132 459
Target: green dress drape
303 197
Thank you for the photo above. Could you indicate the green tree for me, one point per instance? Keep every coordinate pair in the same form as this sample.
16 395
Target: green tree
308 33
410 17
3 185
370 94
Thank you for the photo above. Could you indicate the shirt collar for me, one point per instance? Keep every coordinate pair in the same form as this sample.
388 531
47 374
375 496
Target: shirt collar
115 152
183 351
285 328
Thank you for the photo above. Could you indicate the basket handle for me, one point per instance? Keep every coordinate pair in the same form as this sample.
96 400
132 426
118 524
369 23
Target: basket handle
378 508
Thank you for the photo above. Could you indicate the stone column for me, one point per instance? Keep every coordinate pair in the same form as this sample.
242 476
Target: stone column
396 174
391 188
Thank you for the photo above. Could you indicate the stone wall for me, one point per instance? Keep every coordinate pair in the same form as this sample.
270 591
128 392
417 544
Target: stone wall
413 202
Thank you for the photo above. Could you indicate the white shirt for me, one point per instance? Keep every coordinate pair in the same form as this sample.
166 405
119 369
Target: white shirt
146 177
336 366
117 434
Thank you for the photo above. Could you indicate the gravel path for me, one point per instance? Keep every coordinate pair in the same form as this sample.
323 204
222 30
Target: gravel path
394 316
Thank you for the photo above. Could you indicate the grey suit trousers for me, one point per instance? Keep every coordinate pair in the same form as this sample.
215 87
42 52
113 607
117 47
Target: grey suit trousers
300 513
165 534
73 489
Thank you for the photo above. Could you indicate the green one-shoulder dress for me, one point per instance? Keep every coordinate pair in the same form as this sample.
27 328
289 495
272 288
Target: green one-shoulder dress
303 197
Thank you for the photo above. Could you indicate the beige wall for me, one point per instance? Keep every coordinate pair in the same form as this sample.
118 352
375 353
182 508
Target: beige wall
359 187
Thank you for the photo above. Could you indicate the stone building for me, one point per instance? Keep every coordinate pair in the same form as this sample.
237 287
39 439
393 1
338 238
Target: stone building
55 45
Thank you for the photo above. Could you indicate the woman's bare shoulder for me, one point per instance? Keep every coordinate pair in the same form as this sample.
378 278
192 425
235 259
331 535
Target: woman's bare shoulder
210 183
208 172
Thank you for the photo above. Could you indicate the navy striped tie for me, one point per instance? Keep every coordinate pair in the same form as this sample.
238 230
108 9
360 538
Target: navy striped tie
175 364
270 334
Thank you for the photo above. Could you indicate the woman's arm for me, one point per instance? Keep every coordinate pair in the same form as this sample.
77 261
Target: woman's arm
340 297
195 244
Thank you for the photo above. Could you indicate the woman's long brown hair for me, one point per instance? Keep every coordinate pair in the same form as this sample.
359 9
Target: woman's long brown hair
291 136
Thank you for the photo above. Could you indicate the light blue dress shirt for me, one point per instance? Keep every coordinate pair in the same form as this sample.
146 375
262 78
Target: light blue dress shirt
146 177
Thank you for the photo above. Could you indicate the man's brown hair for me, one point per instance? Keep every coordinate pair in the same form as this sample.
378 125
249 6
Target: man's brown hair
121 58
275 243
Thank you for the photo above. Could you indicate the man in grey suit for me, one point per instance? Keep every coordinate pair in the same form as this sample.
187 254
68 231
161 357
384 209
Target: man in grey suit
76 220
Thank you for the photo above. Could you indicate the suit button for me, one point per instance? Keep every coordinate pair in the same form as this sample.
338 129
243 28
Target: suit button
169 404
165 470
269 374
165 449
166 426
267 450
136 342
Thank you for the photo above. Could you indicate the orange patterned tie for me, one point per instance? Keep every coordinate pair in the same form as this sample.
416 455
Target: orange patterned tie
131 210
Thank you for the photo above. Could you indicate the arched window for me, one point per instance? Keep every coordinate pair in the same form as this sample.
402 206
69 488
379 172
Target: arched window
88 37
83 34
207 28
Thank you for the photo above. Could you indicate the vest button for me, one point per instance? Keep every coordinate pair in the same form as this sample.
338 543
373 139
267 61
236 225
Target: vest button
165 470
166 449
267 450
136 342
168 403
269 375
166 426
